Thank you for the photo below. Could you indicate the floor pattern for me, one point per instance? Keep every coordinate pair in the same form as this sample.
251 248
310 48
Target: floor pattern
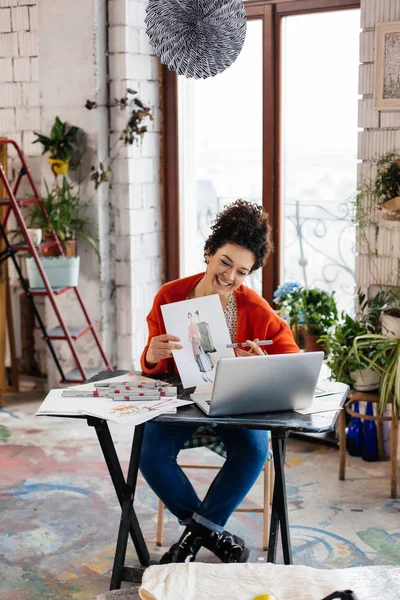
60 515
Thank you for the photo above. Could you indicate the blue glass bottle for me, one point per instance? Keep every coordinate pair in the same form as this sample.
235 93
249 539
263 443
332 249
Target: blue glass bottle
370 440
354 439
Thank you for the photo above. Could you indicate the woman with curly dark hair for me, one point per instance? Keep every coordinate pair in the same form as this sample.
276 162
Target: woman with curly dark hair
238 245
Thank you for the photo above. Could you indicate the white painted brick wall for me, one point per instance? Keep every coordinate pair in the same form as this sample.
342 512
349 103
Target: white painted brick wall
381 134
5 20
8 45
136 187
20 18
32 94
22 69
6 70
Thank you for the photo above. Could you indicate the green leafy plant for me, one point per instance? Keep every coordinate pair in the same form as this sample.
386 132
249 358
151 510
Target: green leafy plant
63 206
317 308
60 143
341 356
387 182
384 359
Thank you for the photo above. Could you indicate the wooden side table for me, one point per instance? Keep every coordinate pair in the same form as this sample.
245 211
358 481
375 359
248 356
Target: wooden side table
355 396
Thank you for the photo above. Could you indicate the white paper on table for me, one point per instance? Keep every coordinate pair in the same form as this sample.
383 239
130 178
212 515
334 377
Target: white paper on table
323 390
177 322
322 404
104 408
134 412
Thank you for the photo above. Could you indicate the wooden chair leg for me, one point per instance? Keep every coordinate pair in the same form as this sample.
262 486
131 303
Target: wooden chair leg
266 503
342 444
393 453
271 476
160 524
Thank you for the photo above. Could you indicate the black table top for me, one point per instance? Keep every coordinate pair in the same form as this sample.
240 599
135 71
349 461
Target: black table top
286 420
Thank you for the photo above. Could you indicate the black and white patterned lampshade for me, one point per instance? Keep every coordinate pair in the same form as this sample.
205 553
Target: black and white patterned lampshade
196 38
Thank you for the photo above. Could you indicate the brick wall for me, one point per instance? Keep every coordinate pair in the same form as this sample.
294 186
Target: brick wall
20 108
19 74
136 182
380 134
53 57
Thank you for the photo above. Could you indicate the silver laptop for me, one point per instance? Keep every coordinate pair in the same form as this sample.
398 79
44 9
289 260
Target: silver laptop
259 384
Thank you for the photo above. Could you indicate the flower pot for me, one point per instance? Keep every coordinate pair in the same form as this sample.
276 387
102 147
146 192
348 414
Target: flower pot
58 166
391 323
365 380
390 215
61 271
390 209
69 247
311 344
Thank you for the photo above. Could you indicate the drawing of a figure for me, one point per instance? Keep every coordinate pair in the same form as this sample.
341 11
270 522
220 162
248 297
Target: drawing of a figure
206 339
202 359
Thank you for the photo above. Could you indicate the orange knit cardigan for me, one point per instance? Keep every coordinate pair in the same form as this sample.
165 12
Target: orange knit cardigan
256 319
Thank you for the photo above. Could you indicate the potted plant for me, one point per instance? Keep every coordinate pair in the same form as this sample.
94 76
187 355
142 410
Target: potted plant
347 366
60 144
386 186
384 359
318 308
341 359
391 322
62 204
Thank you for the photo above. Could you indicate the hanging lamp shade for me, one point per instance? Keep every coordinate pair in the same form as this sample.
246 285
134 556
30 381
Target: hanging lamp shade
196 38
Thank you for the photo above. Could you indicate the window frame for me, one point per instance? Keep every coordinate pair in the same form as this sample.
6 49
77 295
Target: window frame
271 12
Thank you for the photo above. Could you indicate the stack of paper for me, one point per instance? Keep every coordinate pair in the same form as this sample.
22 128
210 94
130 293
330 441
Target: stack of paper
91 399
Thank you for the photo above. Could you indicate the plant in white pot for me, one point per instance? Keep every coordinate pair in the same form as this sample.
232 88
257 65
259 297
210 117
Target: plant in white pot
346 365
384 359
63 208
391 322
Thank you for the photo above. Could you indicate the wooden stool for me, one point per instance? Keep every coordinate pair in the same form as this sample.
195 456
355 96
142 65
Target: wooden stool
268 471
355 396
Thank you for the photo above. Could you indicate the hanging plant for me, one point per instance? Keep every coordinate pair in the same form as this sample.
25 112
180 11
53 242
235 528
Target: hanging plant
387 186
133 132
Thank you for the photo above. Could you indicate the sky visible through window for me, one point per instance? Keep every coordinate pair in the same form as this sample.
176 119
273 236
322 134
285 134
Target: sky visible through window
221 145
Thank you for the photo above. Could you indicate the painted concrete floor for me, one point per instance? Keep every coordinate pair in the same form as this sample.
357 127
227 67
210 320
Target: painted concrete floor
59 514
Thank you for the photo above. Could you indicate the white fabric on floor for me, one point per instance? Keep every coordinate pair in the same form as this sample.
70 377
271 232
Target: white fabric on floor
202 581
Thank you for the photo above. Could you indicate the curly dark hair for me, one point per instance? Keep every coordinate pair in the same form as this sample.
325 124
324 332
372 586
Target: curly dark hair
244 224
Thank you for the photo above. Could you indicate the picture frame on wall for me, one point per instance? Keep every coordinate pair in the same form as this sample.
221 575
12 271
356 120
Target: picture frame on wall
387 66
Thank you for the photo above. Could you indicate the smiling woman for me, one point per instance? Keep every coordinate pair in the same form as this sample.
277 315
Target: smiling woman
239 243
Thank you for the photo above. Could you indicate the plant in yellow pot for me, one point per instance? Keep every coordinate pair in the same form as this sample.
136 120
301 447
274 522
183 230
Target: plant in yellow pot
60 144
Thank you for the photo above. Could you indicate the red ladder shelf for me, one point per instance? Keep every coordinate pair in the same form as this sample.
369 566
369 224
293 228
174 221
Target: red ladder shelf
62 331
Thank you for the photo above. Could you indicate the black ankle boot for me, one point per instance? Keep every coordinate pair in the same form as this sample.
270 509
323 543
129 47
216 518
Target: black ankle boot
186 547
227 547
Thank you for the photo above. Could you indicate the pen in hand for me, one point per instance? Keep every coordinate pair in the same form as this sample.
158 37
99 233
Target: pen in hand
246 345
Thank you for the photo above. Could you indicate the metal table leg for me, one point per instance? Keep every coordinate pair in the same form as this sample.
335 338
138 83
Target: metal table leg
279 513
125 491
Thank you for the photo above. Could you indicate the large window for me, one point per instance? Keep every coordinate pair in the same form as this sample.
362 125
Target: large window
319 149
220 146
279 128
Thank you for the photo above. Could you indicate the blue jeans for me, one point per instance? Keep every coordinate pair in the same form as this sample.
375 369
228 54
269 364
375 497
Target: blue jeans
247 451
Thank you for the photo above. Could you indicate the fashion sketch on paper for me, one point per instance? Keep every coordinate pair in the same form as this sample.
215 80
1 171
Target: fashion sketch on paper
202 359
206 338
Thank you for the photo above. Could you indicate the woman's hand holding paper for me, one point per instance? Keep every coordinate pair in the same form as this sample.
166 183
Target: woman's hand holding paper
161 346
